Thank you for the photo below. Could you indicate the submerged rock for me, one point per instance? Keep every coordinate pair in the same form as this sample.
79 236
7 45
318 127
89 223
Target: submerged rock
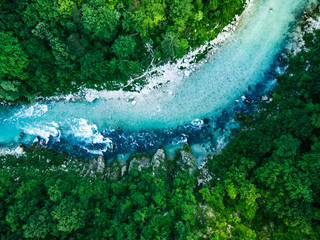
36 142
21 135
111 148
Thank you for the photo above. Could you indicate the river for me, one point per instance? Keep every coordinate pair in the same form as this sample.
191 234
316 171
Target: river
187 109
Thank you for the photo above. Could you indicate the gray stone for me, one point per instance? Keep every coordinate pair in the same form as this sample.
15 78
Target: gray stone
187 161
139 163
158 159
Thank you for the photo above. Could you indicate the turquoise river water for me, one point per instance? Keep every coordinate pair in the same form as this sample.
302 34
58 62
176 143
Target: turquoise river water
190 109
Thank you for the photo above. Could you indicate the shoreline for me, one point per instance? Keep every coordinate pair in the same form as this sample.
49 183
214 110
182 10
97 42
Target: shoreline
157 75
182 78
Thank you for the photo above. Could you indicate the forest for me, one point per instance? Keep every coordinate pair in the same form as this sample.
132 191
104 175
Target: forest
58 47
263 185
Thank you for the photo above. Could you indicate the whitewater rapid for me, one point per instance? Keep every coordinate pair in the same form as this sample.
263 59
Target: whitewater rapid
187 98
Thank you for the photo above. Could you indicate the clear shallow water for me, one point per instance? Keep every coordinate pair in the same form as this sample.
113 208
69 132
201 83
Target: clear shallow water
173 114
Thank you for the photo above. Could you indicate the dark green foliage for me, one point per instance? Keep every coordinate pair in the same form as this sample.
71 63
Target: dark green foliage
44 195
13 64
99 21
277 151
94 66
124 47
265 182
58 46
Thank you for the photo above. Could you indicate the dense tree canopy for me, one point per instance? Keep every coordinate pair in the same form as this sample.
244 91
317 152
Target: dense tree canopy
263 185
277 151
61 45
13 64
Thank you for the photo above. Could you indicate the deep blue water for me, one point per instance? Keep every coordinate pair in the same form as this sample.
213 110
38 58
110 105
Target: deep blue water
196 109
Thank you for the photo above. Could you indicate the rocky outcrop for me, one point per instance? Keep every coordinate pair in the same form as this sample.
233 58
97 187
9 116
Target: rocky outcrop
95 165
113 171
139 162
204 176
158 160
157 164
21 136
22 146
186 161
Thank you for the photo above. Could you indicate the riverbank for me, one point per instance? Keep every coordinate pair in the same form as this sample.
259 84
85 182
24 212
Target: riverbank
59 54
160 74
263 185
162 118
245 104
277 152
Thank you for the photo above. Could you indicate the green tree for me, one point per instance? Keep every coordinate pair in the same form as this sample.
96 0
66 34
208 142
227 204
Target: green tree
69 215
148 16
180 13
13 64
171 45
39 225
99 21
66 5
124 46
37 11
94 67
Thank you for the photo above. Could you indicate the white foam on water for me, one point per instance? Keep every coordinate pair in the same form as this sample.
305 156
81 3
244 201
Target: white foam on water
44 131
82 131
197 123
36 110
241 61
93 151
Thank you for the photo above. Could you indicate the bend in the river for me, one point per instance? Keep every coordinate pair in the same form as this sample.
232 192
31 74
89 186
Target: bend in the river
241 62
